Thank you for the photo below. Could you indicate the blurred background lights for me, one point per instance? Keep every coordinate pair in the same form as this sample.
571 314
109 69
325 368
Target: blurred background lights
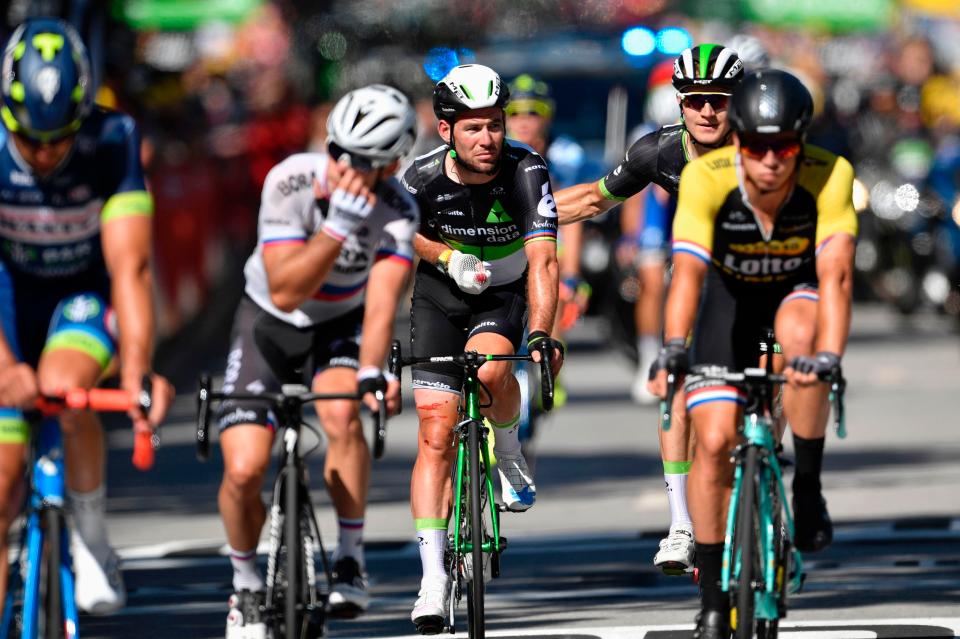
439 61
638 41
332 45
673 40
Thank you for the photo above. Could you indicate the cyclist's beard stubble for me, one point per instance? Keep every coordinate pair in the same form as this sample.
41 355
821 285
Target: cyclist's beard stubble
476 167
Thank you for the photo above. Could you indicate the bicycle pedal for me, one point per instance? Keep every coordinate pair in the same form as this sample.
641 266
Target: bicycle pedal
430 625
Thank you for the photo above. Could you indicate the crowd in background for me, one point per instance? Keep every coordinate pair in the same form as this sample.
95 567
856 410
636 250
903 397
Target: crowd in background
220 104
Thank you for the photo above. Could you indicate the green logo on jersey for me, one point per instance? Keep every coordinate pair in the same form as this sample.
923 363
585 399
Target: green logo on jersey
497 214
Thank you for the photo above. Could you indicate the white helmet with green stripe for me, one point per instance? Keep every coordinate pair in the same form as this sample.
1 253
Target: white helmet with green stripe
466 88
711 66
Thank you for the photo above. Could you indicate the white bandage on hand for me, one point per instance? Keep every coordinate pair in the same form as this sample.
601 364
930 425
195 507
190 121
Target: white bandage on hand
470 274
345 214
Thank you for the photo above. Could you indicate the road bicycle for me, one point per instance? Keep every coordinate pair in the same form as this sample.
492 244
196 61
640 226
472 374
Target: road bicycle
40 600
761 566
475 544
295 605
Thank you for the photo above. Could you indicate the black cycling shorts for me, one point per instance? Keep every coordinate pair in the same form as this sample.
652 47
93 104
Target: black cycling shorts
730 322
266 352
443 318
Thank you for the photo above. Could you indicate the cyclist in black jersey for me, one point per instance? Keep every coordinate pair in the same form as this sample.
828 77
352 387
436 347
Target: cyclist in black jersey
704 77
487 246
764 237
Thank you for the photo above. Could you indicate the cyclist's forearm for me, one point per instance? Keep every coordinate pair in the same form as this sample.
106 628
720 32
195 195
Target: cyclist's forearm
543 283
428 249
683 299
833 313
387 283
581 202
131 284
299 271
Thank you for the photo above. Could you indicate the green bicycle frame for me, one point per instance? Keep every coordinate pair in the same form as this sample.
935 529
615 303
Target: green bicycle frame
474 420
758 432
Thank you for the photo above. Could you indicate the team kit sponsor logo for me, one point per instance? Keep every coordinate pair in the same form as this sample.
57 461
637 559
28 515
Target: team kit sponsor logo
777 257
497 234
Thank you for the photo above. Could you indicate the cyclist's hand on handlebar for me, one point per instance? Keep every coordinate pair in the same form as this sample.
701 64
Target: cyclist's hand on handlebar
540 339
673 358
806 370
18 386
161 397
393 393
371 379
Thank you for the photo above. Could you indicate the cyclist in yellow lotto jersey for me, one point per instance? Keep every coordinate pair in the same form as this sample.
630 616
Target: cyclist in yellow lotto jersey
763 237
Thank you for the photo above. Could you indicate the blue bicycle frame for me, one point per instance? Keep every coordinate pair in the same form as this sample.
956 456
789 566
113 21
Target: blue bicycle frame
45 501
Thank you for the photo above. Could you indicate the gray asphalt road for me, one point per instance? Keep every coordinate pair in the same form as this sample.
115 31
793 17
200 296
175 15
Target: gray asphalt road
579 563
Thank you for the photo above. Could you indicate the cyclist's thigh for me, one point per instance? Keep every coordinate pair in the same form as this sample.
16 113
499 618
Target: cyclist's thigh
492 344
439 319
714 409
336 355
246 372
12 465
80 343
14 430
796 321
500 311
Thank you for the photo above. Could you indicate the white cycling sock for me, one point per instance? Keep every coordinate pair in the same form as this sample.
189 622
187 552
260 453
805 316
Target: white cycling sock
433 541
677 494
89 518
506 436
246 575
350 543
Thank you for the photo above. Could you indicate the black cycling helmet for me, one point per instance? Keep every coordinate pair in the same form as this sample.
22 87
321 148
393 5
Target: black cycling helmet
711 66
770 101
468 87
45 85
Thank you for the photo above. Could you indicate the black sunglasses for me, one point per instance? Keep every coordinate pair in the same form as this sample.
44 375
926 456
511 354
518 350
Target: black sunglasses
360 163
783 149
697 101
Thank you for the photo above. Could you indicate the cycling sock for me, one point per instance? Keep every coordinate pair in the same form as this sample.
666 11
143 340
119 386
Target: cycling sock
432 535
507 441
89 517
709 559
246 575
675 476
350 542
809 453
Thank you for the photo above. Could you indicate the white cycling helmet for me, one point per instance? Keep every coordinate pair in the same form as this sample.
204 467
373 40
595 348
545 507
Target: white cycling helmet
466 88
374 125
751 51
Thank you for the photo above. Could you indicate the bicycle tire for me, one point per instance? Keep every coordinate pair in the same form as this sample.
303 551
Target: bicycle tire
475 587
745 542
50 587
292 613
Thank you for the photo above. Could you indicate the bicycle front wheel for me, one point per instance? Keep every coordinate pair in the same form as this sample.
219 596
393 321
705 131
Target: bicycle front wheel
51 593
475 587
746 554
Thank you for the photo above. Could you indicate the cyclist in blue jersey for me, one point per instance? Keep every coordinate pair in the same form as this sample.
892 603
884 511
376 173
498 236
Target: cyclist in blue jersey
75 225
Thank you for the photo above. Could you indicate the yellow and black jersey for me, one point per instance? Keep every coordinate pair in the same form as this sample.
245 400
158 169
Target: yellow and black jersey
715 222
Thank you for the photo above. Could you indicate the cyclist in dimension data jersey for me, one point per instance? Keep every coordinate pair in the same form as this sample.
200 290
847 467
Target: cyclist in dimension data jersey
487 245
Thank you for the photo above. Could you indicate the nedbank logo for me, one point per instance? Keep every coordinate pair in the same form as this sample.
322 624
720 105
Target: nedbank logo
497 214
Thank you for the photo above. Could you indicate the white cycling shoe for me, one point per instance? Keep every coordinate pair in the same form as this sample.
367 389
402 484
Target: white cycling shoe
675 556
516 482
430 611
99 584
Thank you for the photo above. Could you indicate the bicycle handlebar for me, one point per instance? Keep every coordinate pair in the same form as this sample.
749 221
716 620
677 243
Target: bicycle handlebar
108 400
473 358
291 397
761 376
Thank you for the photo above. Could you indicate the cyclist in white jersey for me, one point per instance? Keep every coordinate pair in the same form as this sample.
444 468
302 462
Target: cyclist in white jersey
333 257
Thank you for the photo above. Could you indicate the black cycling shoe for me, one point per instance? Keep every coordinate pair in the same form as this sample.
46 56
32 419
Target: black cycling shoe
814 530
712 624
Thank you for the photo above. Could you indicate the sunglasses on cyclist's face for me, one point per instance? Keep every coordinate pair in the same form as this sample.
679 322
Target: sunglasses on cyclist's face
353 160
696 101
783 148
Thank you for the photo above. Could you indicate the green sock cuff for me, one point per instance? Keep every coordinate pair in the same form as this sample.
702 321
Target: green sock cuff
507 424
676 467
430 524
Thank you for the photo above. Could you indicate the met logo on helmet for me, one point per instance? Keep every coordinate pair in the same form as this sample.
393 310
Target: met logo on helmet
47 83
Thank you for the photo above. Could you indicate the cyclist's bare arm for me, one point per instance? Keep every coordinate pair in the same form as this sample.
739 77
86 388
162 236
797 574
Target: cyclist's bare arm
18 381
388 281
572 236
428 249
631 216
683 300
581 202
543 283
126 250
296 271
835 283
